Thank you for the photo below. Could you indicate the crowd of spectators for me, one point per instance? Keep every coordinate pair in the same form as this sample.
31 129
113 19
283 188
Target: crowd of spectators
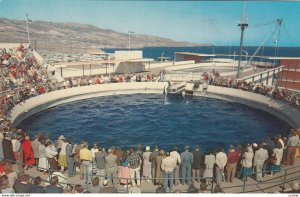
22 77
275 92
105 170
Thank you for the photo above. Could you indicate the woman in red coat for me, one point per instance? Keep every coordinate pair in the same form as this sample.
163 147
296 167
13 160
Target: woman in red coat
28 152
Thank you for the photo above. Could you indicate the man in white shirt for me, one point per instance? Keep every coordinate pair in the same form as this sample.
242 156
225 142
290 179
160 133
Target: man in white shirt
168 165
177 158
261 155
221 161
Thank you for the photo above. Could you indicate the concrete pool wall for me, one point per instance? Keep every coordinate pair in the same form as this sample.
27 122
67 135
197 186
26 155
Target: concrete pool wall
42 102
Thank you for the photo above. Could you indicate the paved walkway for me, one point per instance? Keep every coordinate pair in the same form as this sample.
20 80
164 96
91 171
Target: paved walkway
269 185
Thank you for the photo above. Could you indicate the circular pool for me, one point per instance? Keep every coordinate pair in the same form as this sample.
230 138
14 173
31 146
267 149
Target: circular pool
150 119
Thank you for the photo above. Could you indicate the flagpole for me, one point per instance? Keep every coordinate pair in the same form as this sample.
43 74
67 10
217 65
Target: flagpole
27 29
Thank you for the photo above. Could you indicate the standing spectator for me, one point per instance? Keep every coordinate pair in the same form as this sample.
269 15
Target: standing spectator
186 164
197 162
111 168
77 160
232 160
43 165
28 152
139 152
100 162
1 147
209 161
221 161
152 159
168 165
119 154
292 143
260 157
147 164
8 149
86 158
70 158
246 162
94 150
158 173
35 144
134 164
125 172
51 156
18 152
277 154
176 156
53 188
62 158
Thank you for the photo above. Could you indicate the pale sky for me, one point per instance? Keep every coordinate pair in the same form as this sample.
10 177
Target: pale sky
211 22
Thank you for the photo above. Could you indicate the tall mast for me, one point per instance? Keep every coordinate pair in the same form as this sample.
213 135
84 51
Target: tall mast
242 24
27 21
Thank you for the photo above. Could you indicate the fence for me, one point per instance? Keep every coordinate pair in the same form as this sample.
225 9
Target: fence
287 175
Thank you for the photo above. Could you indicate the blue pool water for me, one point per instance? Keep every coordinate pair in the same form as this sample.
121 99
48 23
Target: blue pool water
150 119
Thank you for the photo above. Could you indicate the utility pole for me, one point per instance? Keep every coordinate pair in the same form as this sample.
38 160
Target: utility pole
28 21
243 24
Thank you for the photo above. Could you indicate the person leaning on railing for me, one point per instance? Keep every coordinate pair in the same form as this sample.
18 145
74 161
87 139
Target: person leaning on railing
292 144
134 163
86 158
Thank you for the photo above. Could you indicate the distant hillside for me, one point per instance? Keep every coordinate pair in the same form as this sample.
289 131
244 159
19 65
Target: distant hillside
58 36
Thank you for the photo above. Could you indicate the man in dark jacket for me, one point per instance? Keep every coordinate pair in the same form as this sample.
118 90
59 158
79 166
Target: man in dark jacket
197 162
53 188
152 158
8 149
70 158
22 185
36 188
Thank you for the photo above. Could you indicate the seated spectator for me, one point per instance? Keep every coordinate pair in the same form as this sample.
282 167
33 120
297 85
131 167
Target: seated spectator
4 185
295 188
95 187
78 189
53 188
69 189
22 184
108 189
36 187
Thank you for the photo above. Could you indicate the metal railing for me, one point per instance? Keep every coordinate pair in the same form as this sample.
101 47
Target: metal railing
282 179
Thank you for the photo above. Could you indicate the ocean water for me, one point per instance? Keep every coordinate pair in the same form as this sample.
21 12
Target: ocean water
155 52
127 120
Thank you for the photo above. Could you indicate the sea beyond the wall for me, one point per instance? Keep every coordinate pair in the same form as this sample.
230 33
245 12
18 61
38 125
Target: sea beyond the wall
156 52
